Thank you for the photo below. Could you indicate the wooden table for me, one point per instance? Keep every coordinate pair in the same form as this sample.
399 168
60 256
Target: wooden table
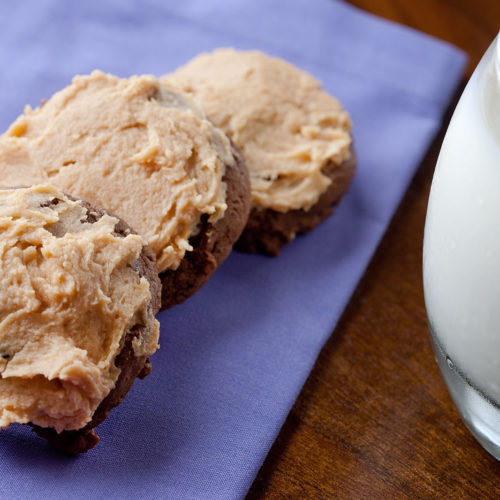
374 419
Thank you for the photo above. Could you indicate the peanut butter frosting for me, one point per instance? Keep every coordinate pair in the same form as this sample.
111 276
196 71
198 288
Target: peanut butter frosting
142 150
286 126
69 294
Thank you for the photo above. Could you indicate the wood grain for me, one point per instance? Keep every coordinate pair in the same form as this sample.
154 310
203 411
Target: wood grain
374 419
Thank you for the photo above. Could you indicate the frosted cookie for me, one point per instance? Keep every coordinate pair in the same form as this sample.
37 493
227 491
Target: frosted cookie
295 139
79 292
145 152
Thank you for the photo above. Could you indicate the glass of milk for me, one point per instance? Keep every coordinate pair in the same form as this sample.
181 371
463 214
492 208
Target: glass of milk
462 254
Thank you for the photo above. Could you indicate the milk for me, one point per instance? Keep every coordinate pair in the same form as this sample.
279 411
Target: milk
462 235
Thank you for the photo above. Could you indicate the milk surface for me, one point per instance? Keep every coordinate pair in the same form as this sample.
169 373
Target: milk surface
462 233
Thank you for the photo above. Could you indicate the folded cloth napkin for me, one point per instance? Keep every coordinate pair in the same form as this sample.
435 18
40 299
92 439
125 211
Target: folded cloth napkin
234 357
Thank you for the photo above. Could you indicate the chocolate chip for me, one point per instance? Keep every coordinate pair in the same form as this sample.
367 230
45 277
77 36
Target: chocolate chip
49 203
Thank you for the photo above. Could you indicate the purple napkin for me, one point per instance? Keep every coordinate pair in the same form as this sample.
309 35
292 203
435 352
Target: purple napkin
234 357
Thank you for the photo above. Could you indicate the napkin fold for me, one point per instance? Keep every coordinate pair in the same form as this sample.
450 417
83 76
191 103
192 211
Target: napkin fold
234 357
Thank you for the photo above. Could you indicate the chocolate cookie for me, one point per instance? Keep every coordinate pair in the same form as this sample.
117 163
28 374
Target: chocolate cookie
87 354
268 230
294 136
214 241
147 153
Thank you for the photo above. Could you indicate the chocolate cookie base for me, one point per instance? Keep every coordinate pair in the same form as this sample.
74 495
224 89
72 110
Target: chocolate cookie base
268 230
131 366
213 243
